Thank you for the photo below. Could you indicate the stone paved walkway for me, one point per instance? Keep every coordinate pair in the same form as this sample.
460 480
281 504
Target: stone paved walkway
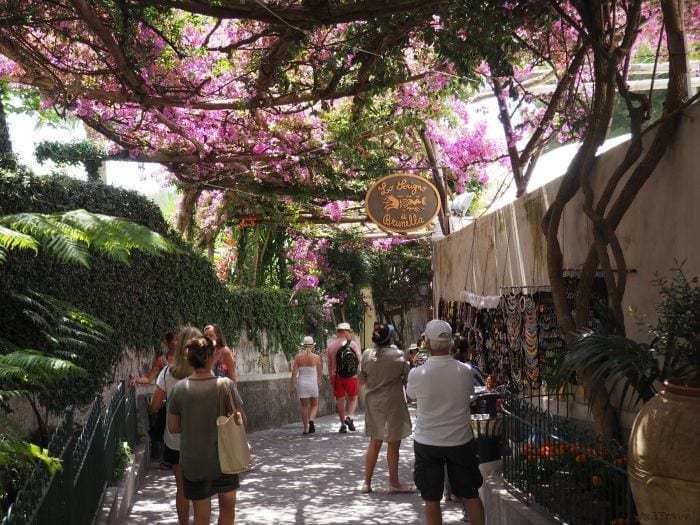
312 479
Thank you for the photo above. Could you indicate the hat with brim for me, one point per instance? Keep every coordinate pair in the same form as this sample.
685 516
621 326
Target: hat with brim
343 326
308 341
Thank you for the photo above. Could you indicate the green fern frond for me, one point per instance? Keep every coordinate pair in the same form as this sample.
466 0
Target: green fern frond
14 240
25 366
8 394
69 236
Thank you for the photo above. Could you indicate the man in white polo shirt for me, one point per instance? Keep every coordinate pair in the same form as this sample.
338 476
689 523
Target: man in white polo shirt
443 434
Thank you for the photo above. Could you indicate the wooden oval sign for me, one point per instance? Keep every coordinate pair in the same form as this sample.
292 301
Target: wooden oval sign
402 202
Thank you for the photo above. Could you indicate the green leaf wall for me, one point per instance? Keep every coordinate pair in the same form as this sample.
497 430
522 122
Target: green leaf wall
142 300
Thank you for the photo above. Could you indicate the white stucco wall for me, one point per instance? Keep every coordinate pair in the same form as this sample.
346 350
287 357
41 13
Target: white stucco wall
507 247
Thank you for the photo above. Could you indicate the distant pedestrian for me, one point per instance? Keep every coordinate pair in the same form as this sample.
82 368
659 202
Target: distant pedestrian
193 408
412 350
443 436
307 373
225 365
166 381
422 354
161 360
383 372
343 363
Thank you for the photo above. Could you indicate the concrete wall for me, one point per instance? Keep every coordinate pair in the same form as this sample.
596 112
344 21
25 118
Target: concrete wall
507 247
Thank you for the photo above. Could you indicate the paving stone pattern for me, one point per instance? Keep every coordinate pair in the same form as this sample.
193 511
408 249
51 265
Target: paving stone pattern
313 479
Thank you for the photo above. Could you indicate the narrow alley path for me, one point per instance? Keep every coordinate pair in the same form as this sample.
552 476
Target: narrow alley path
299 479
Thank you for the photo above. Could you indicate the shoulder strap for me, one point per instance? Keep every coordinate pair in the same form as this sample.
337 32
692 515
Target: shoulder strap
222 383
166 373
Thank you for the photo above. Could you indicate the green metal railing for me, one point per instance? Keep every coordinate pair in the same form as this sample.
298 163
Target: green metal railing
561 466
74 494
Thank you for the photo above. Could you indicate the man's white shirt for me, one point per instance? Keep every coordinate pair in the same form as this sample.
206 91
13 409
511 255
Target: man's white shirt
442 389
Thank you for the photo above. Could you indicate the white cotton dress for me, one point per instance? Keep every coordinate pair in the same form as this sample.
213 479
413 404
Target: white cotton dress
307 382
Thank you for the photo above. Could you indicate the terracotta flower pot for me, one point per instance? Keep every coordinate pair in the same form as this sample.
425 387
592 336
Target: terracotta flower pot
664 457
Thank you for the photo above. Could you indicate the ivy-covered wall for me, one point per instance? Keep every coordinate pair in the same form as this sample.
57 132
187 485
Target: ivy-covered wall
142 300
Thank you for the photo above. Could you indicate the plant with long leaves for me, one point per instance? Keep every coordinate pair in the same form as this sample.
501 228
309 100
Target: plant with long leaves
673 353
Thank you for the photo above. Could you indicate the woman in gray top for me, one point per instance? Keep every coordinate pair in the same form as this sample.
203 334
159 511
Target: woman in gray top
383 373
192 411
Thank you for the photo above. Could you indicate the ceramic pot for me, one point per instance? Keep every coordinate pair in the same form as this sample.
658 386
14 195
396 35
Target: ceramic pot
664 457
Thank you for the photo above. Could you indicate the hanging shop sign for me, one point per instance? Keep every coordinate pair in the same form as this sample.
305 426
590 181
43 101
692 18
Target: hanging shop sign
402 203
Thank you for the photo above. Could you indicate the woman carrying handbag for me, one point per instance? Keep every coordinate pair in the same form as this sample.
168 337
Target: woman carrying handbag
193 409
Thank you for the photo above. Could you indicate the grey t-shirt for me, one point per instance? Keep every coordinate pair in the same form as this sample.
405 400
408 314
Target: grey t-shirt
197 403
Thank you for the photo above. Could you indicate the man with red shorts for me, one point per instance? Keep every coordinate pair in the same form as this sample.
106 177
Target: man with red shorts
343 376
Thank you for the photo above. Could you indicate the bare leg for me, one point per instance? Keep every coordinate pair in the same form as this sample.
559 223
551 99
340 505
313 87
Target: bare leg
433 514
340 407
313 408
352 405
475 511
182 504
227 508
305 413
202 511
392 459
371 458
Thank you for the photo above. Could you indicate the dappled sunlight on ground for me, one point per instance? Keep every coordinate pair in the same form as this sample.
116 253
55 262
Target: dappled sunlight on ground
312 479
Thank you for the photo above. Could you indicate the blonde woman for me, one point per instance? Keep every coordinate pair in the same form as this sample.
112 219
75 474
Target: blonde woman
167 379
307 372
193 409
225 365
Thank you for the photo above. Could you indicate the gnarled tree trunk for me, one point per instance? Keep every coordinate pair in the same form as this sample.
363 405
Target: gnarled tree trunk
604 212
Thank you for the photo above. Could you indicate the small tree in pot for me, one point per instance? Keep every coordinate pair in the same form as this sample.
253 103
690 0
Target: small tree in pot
664 467
673 354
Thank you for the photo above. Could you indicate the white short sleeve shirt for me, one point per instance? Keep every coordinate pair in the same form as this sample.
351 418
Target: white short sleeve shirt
442 389
166 382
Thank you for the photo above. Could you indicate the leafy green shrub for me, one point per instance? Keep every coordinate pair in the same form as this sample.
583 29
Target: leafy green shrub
122 457
142 300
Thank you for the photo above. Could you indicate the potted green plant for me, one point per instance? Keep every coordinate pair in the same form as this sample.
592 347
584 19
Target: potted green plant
663 464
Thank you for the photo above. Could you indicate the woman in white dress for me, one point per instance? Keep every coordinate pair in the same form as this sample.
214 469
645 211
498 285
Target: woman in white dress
307 372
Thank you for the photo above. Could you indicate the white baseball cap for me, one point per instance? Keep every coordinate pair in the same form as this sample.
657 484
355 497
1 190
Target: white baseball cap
438 330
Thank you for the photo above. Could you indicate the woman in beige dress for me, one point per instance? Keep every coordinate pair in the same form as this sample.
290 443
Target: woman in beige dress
383 373
307 372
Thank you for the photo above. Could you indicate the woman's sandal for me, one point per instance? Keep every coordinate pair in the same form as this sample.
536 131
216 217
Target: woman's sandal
401 489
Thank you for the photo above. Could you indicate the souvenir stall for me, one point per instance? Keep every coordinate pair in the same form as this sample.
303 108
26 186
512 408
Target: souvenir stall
513 337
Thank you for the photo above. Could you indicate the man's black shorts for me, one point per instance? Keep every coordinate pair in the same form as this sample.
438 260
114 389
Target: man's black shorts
462 470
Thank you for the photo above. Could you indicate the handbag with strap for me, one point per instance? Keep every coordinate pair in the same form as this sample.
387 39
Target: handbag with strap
234 450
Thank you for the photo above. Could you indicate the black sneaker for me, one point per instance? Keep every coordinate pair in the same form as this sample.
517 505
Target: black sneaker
343 429
312 428
350 424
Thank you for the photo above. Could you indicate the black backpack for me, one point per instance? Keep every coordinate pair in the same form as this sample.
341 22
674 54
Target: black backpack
346 361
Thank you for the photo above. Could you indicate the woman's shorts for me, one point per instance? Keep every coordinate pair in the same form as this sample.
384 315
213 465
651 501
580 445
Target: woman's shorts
196 490
171 456
462 469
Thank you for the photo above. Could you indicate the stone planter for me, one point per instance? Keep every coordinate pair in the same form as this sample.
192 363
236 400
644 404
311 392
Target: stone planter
664 458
